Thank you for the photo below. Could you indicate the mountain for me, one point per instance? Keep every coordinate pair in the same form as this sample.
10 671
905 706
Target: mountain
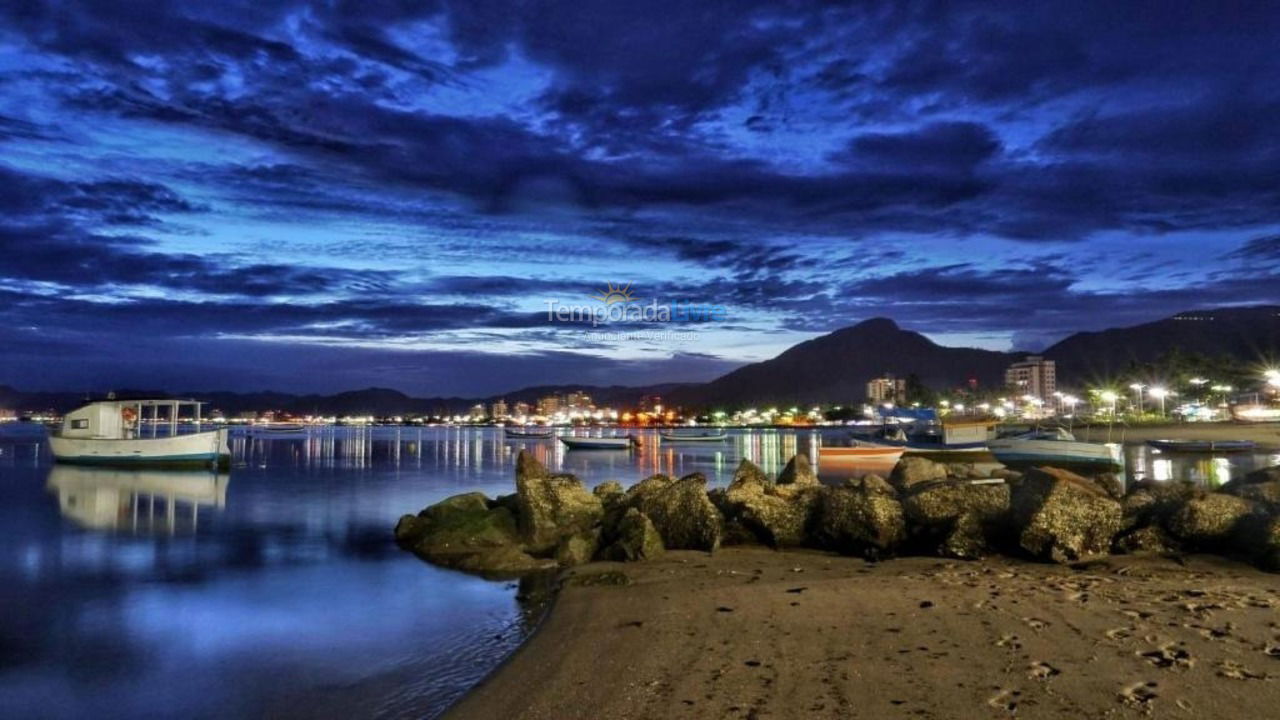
1250 334
835 368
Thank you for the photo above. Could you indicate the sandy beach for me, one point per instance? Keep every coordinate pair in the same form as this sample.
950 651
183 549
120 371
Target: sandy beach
753 633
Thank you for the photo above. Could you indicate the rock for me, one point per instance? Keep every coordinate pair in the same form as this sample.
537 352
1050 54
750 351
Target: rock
610 493
637 539
857 522
502 561
1005 473
680 510
778 515
957 518
960 470
577 549
1150 502
1110 483
798 472
1257 488
1150 539
552 507
1209 521
1062 517
915 470
455 530
871 483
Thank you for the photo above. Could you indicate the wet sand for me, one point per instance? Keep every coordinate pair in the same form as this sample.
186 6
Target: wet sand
752 633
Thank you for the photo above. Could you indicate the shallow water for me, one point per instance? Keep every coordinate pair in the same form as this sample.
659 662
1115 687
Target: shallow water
276 590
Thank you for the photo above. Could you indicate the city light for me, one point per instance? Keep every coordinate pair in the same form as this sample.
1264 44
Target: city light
1160 394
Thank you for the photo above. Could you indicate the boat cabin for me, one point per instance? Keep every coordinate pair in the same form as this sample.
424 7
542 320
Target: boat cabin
123 419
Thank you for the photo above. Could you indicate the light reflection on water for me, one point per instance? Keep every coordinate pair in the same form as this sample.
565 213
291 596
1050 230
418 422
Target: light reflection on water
275 590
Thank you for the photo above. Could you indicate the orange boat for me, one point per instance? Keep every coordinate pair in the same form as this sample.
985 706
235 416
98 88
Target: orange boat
862 451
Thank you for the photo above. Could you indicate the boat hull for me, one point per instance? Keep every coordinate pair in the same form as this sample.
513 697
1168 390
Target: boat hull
596 443
692 438
861 453
193 450
1202 446
1055 453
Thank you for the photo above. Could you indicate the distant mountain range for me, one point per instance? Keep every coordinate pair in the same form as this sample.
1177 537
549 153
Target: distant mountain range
833 368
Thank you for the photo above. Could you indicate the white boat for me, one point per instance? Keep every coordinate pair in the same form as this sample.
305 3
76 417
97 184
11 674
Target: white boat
114 432
706 436
1056 446
600 443
532 433
280 431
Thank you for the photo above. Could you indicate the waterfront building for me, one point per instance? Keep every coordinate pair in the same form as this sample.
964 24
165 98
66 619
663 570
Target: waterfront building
1033 376
549 405
498 411
886 389
522 409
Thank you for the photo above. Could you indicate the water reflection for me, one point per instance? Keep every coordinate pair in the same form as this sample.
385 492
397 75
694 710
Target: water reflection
138 501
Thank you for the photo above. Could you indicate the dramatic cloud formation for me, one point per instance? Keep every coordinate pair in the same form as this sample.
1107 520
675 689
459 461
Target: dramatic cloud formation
322 196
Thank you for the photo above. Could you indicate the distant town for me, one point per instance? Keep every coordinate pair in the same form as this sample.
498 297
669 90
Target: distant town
1030 393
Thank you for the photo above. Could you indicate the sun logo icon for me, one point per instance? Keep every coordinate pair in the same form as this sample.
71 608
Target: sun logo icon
615 294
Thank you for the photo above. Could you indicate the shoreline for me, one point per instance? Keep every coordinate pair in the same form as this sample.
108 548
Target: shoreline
755 633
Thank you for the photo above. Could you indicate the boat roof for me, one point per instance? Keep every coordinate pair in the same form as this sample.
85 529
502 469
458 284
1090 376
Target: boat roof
146 402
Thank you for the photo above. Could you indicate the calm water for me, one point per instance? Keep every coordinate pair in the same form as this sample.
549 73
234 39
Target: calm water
275 590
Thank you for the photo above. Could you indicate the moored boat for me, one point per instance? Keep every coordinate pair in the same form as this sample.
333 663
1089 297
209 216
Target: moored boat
599 443
1056 446
707 436
279 431
861 450
1203 446
110 432
948 441
528 434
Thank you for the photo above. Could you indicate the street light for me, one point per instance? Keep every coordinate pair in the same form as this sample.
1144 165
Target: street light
1137 394
1111 397
1160 393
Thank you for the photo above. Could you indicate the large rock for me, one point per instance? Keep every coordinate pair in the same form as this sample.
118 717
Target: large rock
501 562
457 529
858 522
1151 502
911 471
1062 517
798 472
777 515
552 507
1260 486
680 510
958 518
635 539
1209 521
1148 539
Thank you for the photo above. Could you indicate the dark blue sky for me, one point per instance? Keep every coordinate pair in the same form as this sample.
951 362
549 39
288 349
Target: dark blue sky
315 197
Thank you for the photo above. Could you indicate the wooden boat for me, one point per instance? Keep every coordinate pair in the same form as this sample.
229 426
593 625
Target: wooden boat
950 442
279 431
1203 446
528 434
599 443
1055 446
861 450
706 436
111 432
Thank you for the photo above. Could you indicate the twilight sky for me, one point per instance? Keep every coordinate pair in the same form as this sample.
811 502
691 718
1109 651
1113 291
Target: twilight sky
325 196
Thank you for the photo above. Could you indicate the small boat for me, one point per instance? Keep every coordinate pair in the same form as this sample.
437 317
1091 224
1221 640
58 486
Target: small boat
528 434
949 442
708 436
861 450
1203 446
600 443
279 431
1054 446
110 432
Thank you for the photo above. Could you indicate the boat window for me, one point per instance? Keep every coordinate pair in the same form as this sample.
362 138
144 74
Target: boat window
82 424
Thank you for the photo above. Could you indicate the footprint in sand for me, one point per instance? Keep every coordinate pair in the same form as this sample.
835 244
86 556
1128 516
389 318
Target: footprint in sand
1042 671
1139 695
1120 633
1235 671
1169 656
1006 700
1036 623
1272 649
1009 641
